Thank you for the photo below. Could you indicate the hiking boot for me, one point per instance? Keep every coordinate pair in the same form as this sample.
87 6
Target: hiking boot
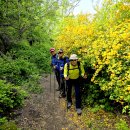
58 89
79 111
69 105
62 95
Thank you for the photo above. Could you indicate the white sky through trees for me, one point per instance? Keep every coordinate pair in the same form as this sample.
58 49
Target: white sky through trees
87 6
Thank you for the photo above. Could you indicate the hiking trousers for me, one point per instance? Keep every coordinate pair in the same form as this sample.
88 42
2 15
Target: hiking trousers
62 86
57 74
76 84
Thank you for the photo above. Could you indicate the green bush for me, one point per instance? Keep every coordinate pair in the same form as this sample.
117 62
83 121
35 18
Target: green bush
9 126
38 54
16 71
24 64
11 96
122 125
3 120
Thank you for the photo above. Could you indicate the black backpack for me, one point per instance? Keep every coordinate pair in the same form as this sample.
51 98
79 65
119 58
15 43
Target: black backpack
68 68
65 58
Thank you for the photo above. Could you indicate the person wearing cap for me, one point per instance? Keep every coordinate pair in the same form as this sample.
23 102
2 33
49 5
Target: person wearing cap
54 59
71 76
60 66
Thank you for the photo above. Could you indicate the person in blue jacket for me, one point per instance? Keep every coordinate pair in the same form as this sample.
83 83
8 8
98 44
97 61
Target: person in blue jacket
62 60
54 59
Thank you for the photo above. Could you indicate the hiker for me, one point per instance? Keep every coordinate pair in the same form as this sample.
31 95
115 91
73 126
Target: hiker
60 66
54 59
72 72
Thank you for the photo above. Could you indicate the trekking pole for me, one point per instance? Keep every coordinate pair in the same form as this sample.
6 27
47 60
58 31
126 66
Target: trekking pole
50 74
54 101
60 90
50 81
66 96
54 87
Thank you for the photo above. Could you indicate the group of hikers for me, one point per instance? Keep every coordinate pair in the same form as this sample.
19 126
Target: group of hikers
68 71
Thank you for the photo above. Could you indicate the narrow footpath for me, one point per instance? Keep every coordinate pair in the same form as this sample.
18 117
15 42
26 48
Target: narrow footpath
45 111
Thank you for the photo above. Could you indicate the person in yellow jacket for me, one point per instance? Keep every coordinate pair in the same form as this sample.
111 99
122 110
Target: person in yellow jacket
72 72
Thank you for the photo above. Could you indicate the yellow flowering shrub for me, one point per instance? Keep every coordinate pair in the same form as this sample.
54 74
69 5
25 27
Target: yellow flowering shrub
104 43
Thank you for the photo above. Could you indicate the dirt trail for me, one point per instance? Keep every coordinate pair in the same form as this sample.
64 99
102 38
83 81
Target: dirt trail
43 111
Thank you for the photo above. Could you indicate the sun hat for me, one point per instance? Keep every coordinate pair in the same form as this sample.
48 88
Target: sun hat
73 57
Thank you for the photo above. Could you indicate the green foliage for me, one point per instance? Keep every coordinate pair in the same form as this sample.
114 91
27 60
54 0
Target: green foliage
9 126
38 54
33 84
122 125
3 120
24 62
11 96
126 109
16 71
96 108
32 20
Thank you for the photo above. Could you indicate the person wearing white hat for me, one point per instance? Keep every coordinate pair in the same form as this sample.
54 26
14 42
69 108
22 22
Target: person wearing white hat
72 71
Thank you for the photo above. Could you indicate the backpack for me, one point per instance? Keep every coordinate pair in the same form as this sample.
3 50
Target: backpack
68 68
65 59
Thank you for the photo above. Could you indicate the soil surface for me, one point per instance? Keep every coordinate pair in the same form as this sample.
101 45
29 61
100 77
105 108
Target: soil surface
44 111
